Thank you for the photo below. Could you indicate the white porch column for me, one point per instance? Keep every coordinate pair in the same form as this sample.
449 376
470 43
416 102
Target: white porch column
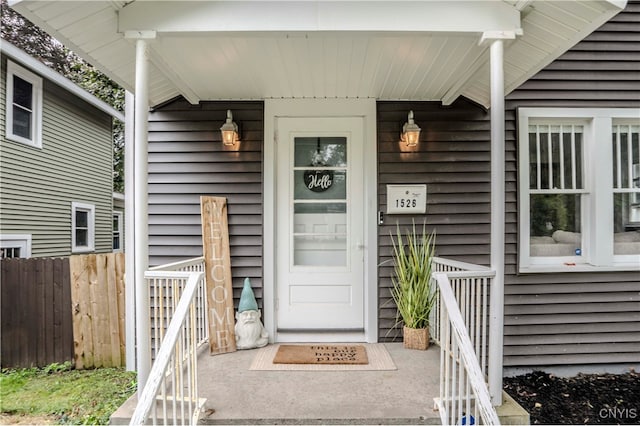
496 308
129 233
141 195
141 222
496 304
496 312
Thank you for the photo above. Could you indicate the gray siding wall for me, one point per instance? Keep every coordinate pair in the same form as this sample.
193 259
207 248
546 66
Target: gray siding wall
452 158
574 318
187 160
74 164
551 319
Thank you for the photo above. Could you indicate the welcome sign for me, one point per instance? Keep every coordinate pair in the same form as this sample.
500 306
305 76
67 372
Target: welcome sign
217 262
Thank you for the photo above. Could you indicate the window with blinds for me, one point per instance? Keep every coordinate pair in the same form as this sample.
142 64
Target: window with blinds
556 188
626 186
579 173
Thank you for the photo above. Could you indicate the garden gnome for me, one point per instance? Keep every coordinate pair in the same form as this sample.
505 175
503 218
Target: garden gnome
249 330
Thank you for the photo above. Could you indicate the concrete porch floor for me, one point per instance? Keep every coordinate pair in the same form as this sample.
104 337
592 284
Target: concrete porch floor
237 395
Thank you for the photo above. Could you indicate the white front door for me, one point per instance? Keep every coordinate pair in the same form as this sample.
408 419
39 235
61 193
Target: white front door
320 224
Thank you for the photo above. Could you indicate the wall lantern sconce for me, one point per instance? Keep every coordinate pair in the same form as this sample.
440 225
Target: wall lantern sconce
229 130
410 132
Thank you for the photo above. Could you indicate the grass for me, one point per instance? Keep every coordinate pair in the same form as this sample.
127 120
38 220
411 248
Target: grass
64 395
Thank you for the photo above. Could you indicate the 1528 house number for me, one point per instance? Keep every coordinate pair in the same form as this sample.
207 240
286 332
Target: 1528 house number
407 199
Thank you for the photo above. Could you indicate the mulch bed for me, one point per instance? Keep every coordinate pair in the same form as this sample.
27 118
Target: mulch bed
584 399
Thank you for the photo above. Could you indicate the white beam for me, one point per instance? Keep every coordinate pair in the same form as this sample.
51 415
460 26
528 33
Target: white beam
259 16
500 35
140 35
163 65
620 4
141 194
611 8
173 76
458 87
496 304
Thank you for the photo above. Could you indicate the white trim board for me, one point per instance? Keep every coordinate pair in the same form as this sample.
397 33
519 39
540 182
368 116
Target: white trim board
46 72
22 241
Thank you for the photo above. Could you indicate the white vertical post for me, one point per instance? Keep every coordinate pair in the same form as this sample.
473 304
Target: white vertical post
496 304
129 233
599 244
141 221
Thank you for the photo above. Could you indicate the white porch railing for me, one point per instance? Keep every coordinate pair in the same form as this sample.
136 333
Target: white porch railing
170 395
459 326
470 284
463 389
165 289
195 264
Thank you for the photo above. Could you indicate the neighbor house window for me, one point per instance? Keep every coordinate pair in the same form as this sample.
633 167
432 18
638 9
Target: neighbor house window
24 106
117 231
82 227
579 173
15 246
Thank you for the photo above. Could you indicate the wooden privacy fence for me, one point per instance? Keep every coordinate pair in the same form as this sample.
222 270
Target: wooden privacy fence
36 312
63 309
97 302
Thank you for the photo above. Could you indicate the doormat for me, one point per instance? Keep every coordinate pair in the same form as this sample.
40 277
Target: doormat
321 354
377 355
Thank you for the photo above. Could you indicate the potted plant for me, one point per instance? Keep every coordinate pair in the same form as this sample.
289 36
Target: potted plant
412 288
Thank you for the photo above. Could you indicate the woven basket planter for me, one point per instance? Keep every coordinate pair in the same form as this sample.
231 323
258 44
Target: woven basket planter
416 338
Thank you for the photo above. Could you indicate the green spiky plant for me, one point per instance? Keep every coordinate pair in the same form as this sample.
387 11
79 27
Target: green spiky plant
412 260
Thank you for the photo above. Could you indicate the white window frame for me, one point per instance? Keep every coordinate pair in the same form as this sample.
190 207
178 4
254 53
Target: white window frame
91 227
14 69
120 217
597 216
21 241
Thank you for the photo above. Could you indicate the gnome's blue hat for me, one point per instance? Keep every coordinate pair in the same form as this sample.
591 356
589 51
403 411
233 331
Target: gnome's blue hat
247 299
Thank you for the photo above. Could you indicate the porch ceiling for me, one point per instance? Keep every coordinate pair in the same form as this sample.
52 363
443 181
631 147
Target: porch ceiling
420 50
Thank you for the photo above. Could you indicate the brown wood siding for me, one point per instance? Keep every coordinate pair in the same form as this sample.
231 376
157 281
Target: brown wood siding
453 160
574 318
187 160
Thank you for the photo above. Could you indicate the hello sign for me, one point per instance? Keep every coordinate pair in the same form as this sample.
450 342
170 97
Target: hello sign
318 180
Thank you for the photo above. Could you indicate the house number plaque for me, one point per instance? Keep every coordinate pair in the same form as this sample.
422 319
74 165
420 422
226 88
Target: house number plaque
406 199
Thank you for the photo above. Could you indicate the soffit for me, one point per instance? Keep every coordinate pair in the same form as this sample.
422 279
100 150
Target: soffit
329 62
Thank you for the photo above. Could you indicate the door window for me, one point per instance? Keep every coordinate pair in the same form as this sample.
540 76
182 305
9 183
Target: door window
320 201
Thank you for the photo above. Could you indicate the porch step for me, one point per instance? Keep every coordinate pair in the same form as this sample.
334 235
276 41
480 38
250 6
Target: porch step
122 416
512 413
241 396
306 421
237 395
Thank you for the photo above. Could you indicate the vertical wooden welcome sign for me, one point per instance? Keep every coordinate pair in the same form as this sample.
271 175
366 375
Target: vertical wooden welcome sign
217 263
